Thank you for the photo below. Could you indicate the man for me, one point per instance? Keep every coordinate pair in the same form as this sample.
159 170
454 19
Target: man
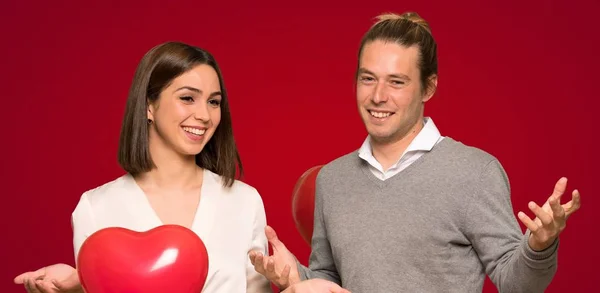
411 210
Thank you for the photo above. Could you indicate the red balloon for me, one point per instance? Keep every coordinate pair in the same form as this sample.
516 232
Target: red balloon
303 202
168 258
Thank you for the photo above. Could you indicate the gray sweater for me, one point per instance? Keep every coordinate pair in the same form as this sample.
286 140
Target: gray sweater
440 225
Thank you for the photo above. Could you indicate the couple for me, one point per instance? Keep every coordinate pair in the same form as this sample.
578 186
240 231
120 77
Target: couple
409 211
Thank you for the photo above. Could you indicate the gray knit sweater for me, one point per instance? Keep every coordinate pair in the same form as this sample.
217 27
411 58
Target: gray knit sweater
440 225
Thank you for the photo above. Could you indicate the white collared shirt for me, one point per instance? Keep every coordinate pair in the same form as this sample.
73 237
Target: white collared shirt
230 222
425 140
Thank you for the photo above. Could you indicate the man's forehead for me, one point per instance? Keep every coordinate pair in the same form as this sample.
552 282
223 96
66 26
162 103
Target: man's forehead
400 67
402 74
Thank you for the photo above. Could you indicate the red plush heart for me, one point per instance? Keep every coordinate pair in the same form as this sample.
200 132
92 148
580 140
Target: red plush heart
303 202
166 259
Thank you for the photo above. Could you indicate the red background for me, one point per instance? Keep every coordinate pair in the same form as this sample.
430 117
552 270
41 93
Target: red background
517 80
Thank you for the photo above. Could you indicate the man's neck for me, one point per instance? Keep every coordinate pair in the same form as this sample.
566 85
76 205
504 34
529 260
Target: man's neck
389 152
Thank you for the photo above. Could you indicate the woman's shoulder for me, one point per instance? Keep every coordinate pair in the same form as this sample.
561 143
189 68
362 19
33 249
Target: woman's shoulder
116 187
238 188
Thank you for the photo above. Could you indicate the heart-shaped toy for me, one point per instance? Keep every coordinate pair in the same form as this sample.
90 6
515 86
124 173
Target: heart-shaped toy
166 259
303 202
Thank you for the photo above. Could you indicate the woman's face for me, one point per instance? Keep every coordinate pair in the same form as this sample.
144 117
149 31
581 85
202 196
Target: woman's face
187 112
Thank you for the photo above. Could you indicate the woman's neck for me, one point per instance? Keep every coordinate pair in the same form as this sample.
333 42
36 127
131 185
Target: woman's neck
171 170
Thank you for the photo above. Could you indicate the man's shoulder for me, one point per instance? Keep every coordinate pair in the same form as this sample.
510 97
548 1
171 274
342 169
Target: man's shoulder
341 164
458 152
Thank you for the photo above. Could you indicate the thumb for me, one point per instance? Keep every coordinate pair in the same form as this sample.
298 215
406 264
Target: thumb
20 279
272 238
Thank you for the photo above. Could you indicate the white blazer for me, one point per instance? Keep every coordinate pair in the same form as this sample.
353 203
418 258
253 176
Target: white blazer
230 222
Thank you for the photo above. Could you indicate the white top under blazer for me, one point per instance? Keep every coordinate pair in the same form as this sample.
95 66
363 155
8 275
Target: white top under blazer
230 222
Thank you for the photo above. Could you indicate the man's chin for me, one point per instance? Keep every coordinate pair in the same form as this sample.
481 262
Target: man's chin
379 135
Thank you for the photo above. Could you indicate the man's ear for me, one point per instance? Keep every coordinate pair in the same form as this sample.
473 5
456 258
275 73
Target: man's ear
430 87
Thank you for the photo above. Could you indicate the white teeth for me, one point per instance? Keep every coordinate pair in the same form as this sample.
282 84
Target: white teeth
380 114
194 130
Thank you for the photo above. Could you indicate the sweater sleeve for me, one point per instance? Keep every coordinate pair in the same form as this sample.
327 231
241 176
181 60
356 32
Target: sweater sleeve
321 262
495 234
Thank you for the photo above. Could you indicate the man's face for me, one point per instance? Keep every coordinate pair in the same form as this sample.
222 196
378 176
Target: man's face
389 92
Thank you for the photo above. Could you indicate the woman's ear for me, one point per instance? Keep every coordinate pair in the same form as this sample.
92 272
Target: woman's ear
150 111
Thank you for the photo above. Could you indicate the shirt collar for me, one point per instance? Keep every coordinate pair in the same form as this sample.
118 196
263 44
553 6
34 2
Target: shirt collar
425 140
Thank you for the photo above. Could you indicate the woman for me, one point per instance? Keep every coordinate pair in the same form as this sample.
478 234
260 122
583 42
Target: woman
179 153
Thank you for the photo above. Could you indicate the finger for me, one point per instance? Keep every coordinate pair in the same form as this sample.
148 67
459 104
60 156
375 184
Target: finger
272 238
286 271
27 285
252 255
259 266
31 287
544 217
538 222
271 266
558 213
533 227
577 199
574 204
284 279
269 269
559 188
44 286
